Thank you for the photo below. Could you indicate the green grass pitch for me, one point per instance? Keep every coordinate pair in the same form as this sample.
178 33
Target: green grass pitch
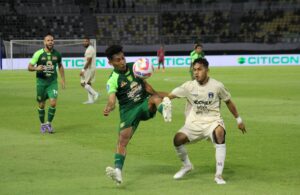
73 160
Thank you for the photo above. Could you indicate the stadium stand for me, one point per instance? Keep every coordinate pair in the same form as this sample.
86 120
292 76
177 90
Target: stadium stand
152 22
128 28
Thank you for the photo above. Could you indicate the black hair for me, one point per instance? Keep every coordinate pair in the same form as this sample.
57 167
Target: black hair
48 34
202 61
86 37
112 50
198 45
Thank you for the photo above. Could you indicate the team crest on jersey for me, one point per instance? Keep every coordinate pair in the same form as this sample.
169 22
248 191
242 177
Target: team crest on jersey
123 83
210 95
129 78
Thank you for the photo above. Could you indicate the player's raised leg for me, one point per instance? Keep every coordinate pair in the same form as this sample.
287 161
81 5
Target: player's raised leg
165 108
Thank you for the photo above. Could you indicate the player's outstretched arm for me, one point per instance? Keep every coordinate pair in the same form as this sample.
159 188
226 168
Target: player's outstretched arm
172 96
232 108
110 106
62 75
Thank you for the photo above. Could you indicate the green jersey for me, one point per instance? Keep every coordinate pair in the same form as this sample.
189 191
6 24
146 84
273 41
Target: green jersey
194 55
50 60
130 91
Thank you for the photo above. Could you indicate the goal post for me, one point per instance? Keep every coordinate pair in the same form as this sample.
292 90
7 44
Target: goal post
26 48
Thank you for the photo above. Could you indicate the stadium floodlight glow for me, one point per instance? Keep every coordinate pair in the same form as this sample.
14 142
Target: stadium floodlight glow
26 48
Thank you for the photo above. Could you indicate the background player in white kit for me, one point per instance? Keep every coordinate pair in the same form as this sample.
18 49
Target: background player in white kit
87 74
204 118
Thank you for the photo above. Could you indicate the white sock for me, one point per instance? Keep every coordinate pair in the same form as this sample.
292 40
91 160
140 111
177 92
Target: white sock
220 158
90 90
182 154
90 97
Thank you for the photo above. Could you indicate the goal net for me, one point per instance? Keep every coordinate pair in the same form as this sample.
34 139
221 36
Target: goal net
15 49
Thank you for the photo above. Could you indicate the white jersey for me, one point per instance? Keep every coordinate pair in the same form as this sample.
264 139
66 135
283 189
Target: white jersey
90 53
205 101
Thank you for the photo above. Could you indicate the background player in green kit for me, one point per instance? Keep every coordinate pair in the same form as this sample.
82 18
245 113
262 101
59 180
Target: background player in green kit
195 54
44 62
138 101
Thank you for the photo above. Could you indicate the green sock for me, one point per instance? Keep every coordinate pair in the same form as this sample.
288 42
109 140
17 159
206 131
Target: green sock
41 115
160 108
51 113
119 161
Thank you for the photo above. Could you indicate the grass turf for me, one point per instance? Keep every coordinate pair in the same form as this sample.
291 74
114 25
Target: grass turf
73 160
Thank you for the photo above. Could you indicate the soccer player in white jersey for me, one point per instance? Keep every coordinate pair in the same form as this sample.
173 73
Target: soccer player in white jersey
87 74
204 119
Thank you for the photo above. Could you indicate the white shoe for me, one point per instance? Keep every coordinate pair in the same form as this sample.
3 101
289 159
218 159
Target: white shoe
115 174
184 170
88 102
96 96
167 109
219 180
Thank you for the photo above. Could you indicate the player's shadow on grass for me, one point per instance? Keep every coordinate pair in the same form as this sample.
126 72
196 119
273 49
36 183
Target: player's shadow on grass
232 172
169 171
76 128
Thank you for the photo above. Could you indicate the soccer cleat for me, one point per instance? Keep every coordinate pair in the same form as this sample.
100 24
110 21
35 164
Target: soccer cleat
88 102
184 170
167 109
43 128
49 128
115 174
96 96
219 179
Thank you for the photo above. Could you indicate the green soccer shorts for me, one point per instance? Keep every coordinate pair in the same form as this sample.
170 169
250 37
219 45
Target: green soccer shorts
46 90
133 116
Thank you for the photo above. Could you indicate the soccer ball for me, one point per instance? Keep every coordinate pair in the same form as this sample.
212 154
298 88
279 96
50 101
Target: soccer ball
142 68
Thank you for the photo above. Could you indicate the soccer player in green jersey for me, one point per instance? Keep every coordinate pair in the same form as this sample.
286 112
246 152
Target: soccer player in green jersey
138 101
45 62
195 54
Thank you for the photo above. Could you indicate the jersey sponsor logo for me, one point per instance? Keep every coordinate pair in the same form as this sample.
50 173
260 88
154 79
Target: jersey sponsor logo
202 102
107 88
54 58
123 83
201 106
135 91
133 85
49 69
43 58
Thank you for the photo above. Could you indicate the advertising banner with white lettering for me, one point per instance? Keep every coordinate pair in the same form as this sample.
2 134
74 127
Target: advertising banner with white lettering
174 61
